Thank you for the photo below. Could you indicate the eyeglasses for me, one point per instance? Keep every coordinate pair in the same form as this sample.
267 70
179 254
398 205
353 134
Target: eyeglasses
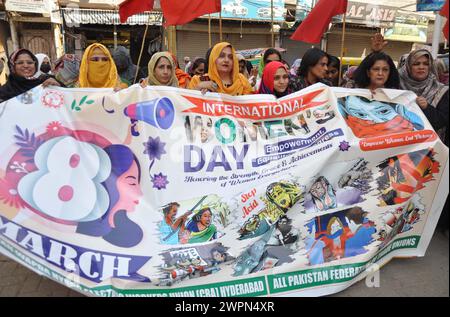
98 59
24 62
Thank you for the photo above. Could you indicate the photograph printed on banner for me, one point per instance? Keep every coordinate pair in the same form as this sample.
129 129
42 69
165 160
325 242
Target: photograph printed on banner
338 185
204 130
193 262
276 247
372 118
405 174
338 235
401 219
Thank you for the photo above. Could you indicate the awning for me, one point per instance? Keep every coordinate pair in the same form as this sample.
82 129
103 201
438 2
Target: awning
257 51
76 16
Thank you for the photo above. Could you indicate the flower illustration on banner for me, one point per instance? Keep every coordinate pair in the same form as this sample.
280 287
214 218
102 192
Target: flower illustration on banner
159 181
28 143
55 129
53 99
9 194
154 148
344 146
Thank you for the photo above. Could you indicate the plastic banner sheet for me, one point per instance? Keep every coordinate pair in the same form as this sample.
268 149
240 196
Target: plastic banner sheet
167 192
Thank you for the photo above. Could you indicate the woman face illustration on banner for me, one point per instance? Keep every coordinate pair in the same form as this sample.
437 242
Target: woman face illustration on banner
375 111
124 193
370 118
129 189
323 194
335 227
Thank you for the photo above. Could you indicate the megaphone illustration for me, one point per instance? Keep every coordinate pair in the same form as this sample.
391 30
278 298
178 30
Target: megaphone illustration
160 113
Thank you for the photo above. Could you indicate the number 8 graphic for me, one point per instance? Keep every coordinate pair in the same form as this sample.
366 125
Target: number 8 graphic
67 184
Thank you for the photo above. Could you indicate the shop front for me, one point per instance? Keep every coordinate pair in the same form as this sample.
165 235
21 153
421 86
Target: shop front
83 27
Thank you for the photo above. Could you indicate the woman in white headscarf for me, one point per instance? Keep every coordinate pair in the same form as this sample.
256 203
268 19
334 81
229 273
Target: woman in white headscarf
44 65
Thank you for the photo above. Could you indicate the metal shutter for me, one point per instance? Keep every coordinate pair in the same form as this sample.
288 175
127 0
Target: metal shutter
356 43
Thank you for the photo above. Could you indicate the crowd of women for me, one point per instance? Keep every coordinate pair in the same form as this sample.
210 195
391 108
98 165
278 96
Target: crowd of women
224 71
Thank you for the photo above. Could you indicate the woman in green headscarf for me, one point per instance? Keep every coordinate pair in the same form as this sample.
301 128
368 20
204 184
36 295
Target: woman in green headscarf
201 228
270 55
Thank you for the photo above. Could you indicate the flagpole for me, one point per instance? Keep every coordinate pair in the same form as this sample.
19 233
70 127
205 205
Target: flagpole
209 30
342 49
220 25
271 28
142 49
436 35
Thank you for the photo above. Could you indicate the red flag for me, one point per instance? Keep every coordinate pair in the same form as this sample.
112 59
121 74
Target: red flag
444 13
317 21
131 7
180 12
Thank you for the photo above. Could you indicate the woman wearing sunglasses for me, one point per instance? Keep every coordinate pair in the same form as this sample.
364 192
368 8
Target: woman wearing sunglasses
98 70
23 66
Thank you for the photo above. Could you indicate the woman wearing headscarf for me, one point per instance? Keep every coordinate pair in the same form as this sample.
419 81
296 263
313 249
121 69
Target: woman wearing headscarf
242 65
419 75
125 66
223 73
275 80
98 69
247 70
347 78
23 66
67 70
270 55
198 67
442 70
44 65
161 71
183 77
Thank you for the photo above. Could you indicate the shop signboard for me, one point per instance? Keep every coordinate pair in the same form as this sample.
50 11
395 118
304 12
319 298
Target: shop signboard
31 6
253 10
430 5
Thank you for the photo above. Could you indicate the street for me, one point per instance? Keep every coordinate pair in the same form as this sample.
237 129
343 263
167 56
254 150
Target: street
427 276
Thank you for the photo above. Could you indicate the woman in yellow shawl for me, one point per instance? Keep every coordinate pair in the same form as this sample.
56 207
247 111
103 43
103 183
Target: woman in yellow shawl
161 71
98 70
223 74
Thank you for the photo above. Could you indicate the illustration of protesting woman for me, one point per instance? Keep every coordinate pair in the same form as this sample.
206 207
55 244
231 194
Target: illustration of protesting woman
371 118
200 227
405 174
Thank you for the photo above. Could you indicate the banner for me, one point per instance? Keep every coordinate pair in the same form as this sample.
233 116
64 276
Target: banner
33 6
430 5
167 192
252 10
408 27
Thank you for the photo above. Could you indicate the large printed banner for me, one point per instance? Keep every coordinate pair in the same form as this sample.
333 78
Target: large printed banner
168 192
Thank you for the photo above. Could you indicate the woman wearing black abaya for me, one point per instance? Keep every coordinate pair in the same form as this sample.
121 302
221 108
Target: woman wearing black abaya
23 66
